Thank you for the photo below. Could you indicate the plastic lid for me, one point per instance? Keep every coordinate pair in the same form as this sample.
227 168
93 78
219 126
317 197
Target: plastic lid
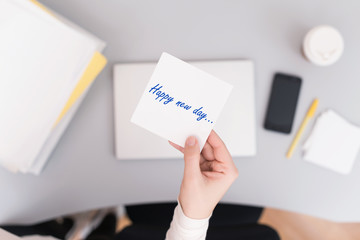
323 45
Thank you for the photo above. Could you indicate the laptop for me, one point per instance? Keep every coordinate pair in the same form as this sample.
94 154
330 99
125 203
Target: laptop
236 123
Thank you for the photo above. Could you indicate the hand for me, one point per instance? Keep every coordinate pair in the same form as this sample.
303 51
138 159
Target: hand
207 175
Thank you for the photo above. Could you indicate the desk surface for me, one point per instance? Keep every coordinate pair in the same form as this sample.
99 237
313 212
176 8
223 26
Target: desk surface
83 172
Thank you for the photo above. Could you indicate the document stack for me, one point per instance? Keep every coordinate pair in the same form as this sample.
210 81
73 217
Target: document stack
334 143
47 65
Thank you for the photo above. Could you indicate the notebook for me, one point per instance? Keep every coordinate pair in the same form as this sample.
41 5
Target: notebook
236 125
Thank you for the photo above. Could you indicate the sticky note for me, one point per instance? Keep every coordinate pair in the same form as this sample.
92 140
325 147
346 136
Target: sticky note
181 100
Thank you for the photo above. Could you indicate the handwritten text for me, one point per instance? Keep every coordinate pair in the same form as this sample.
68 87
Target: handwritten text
165 98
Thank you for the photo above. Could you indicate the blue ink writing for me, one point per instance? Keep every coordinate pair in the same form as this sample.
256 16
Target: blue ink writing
199 113
183 105
165 98
161 95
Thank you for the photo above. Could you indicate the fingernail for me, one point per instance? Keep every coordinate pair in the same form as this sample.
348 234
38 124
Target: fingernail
190 141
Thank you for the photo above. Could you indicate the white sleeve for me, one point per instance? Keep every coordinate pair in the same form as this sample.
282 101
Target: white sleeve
4 235
37 237
184 228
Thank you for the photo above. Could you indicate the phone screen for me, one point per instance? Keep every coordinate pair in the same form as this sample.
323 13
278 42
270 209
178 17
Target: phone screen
282 104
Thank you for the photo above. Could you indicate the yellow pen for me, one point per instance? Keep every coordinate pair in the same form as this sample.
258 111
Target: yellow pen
308 116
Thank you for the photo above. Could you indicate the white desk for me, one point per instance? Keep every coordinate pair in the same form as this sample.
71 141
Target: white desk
83 172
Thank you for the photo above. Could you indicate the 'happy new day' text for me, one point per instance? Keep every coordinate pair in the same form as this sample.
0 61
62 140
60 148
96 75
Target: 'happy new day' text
165 98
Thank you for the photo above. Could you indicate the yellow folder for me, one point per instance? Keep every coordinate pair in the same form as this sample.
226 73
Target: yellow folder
41 6
95 66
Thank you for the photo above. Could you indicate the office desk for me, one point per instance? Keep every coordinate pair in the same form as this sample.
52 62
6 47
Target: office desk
83 172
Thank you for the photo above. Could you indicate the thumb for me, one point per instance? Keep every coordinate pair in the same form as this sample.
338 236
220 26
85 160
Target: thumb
191 156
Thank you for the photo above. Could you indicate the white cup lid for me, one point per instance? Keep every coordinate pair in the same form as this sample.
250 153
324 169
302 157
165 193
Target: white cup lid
323 45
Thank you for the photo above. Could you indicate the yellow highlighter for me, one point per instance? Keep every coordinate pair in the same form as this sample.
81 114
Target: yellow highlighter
308 116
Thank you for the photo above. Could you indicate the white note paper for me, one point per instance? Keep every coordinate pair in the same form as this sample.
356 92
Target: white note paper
334 143
181 100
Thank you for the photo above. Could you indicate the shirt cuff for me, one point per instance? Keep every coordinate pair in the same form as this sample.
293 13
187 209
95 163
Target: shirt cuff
189 222
183 227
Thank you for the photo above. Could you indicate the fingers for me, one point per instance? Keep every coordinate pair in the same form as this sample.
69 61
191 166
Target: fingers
191 157
214 149
220 151
181 149
208 152
212 166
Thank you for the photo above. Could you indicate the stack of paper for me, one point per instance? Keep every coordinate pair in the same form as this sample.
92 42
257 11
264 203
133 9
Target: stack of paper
333 143
46 66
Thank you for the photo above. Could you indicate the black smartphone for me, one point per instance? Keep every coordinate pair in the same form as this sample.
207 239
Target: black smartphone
282 103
